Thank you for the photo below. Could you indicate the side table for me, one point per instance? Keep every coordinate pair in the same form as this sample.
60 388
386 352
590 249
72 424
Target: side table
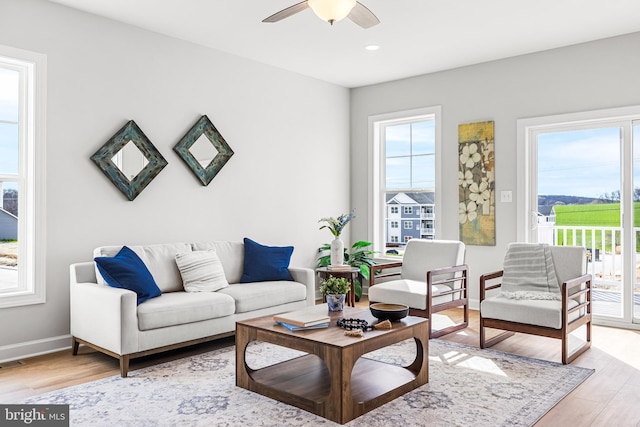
351 275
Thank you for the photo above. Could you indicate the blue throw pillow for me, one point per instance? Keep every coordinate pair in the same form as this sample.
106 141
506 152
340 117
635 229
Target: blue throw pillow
127 271
265 263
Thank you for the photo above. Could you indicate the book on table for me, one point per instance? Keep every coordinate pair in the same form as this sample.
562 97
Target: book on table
339 268
294 328
302 318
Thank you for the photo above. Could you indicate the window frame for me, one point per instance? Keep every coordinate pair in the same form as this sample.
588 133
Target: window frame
376 159
31 176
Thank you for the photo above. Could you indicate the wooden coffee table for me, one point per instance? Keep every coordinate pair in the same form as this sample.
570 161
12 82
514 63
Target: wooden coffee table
331 380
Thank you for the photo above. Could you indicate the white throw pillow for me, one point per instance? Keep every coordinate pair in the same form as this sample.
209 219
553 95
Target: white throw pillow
201 271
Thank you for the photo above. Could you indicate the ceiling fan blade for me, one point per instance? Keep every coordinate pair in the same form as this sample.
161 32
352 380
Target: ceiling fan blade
362 16
285 13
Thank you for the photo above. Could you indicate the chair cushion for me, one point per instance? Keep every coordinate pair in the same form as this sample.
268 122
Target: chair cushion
201 271
160 260
529 271
547 313
422 255
127 271
265 263
254 296
408 292
231 256
177 308
570 262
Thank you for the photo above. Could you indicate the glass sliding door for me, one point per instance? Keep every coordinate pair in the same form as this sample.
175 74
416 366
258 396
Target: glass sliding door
580 203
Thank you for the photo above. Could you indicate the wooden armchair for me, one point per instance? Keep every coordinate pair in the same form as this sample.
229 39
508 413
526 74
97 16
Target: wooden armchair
553 318
433 278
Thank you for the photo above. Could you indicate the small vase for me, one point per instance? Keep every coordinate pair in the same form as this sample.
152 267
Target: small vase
337 252
336 302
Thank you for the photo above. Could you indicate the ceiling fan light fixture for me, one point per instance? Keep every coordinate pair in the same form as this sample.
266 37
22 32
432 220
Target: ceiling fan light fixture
331 10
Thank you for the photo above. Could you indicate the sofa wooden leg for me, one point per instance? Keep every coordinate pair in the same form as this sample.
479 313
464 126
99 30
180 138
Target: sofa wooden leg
124 365
74 346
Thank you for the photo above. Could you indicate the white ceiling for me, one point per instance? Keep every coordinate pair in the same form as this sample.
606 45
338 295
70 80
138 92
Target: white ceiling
415 36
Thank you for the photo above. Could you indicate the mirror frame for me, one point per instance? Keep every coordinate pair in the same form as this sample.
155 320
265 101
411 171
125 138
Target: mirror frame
204 126
102 158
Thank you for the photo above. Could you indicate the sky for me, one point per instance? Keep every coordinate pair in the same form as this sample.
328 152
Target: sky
583 163
8 126
406 143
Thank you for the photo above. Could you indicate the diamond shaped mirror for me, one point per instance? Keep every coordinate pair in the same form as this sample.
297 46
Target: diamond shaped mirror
204 150
129 160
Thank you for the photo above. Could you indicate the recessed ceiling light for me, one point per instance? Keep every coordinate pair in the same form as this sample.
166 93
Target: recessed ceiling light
372 47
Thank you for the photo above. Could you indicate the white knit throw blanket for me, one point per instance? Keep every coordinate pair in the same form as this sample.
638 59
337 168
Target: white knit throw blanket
529 273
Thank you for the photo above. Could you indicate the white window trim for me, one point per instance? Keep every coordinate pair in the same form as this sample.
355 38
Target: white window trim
376 210
31 230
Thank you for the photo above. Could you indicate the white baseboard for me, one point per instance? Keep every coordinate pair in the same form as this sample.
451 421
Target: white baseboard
27 349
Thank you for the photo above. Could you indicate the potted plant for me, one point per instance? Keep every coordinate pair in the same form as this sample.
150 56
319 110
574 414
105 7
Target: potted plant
335 226
335 289
360 257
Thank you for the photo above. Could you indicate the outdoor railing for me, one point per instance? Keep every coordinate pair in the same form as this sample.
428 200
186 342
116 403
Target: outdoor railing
603 251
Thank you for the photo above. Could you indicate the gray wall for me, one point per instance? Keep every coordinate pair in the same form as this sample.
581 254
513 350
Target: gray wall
288 132
590 76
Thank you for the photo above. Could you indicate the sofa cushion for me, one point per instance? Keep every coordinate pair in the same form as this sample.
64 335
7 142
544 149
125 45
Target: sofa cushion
177 308
201 271
547 313
254 296
408 292
127 271
265 263
159 259
231 256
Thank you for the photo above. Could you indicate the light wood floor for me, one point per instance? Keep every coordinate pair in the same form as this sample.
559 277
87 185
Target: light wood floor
610 397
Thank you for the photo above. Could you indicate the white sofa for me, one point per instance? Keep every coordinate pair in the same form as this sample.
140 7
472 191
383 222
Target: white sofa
108 319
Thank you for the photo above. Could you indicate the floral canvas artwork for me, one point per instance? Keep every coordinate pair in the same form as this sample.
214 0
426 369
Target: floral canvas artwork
476 179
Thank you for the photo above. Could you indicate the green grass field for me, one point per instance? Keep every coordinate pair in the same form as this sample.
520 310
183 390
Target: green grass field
601 215
593 215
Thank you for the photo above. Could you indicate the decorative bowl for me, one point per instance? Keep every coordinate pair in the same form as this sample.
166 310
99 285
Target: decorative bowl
384 311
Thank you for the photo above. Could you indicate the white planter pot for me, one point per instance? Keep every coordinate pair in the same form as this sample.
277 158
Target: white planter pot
337 252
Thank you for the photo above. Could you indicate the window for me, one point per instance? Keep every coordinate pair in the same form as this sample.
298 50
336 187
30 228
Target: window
407 238
394 209
394 239
394 224
404 167
22 102
408 225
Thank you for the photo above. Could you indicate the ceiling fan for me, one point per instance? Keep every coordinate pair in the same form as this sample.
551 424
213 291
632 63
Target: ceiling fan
331 11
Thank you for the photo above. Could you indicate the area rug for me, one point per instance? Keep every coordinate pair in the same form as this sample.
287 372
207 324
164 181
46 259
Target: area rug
467 387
